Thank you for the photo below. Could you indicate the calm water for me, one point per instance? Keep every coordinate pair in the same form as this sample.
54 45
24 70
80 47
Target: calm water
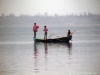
19 55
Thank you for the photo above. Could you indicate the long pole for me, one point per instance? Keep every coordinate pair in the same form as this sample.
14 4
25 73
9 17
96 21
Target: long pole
74 31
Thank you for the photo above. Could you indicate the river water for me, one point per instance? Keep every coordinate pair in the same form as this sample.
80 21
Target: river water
19 55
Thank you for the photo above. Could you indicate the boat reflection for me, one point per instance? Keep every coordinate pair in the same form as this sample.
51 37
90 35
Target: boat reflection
68 46
44 48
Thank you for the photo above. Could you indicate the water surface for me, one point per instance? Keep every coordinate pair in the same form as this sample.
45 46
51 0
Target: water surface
20 55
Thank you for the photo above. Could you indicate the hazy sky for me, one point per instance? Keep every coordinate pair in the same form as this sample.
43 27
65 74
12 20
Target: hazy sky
60 7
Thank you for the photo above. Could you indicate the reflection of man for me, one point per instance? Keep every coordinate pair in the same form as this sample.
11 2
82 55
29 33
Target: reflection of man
35 51
46 49
69 45
35 28
35 58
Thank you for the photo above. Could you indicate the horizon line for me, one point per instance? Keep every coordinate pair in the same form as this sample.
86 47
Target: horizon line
46 14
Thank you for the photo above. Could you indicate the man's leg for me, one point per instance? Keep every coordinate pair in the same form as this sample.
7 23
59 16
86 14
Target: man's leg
46 35
34 34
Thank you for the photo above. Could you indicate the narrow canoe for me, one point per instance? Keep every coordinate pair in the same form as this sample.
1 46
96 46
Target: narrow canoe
55 40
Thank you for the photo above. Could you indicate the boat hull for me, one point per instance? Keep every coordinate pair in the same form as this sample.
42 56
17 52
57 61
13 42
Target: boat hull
63 39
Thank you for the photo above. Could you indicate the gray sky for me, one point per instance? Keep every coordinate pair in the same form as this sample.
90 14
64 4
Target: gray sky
39 7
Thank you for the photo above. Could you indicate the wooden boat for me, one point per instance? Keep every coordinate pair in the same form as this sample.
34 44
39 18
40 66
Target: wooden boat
55 40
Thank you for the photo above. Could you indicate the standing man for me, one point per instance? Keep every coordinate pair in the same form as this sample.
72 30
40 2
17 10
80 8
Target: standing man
45 32
35 28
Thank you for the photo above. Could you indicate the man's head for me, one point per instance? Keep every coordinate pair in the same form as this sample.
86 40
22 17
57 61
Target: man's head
34 23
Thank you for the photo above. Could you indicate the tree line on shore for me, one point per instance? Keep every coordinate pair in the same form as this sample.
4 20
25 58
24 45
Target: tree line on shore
82 18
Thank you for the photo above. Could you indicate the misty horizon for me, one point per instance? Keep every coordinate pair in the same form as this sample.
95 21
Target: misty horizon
68 19
46 14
